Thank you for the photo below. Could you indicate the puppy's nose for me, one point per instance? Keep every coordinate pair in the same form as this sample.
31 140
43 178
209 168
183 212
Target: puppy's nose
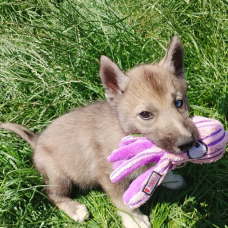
186 146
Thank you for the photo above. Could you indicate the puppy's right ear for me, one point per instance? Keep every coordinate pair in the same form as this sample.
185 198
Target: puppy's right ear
174 58
114 80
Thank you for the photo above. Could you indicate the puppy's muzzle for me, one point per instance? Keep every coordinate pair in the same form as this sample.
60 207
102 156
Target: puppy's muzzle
186 144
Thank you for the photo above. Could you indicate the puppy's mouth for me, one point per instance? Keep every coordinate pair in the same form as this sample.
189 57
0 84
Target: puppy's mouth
185 143
176 147
177 150
186 146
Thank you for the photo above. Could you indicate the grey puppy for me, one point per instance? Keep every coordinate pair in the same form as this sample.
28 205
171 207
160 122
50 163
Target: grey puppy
148 99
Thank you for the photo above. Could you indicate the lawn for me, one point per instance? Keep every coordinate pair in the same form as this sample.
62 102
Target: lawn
49 63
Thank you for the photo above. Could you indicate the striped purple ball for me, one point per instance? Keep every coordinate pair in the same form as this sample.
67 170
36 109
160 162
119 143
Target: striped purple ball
213 135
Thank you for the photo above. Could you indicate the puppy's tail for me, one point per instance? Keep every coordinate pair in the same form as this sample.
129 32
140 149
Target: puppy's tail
30 137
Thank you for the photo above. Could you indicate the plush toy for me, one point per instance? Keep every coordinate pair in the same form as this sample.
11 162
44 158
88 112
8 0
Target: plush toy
135 152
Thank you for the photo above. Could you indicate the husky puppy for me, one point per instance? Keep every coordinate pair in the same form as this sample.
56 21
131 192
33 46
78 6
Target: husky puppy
149 99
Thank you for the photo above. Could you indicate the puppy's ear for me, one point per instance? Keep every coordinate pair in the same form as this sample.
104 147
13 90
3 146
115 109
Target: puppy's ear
174 58
112 77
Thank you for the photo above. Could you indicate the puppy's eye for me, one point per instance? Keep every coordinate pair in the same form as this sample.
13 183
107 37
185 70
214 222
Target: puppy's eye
179 103
146 115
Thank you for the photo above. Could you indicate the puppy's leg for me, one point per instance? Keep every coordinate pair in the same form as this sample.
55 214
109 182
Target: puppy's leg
131 218
59 192
59 189
173 181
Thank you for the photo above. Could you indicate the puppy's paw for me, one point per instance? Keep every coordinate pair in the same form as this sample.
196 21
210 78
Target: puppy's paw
81 214
135 220
173 181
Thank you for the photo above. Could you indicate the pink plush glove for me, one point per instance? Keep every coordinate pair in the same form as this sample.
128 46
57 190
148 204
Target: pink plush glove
135 152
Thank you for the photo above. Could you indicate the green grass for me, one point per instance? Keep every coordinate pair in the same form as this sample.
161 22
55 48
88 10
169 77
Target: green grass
49 61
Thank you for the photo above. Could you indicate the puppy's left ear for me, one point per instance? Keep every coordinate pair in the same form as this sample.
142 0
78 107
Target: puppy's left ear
174 58
113 78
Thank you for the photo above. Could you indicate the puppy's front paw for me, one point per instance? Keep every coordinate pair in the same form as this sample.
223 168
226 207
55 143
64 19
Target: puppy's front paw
78 212
173 181
135 220
81 214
